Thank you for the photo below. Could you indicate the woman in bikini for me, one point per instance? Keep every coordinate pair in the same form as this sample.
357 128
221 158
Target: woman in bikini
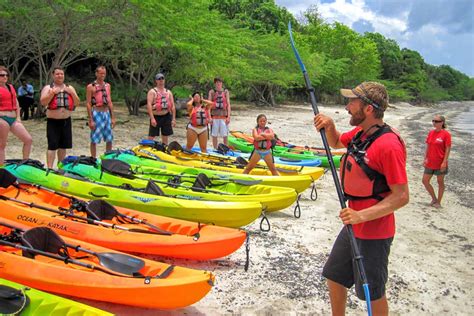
198 111
263 137
10 117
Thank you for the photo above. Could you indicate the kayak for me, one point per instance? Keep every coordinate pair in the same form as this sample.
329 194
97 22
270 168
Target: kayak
117 228
175 154
227 152
39 258
150 164
229 214
116 172
285 152
17 299
279 142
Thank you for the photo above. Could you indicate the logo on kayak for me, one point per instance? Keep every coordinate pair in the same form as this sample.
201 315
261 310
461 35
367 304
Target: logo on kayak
65 184
143 199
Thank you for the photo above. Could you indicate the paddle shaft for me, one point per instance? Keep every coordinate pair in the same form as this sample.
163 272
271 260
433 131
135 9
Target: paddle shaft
355 249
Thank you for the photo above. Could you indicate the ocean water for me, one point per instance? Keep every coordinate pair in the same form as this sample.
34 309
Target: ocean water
465 121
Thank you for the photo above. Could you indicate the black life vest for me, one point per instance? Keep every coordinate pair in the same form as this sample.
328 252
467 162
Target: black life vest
358 180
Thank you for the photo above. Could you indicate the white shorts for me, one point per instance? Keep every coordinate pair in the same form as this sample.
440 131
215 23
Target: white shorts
219 128
198 130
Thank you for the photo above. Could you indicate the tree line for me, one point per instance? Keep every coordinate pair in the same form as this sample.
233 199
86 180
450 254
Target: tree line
192 41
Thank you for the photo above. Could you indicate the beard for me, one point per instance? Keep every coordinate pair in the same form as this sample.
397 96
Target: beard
357 118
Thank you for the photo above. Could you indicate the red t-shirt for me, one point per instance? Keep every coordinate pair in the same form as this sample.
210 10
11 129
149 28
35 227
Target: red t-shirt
386 155
437 142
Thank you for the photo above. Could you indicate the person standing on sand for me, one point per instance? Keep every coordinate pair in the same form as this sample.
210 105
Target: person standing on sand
220 112
374 151
197 129
60 99
263 142
100 110
161 110
10 120
436 158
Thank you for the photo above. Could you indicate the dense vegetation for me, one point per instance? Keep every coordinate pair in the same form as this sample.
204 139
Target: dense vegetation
244 41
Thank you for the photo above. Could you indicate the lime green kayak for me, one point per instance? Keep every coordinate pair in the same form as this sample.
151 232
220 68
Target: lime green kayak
117 172
229 214
12 300
156 166
284 152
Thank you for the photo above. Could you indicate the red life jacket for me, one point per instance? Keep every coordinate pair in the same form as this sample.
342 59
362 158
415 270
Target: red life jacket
221 105
101 95
8 98
61 100
162 101
198 116
358 180
262 144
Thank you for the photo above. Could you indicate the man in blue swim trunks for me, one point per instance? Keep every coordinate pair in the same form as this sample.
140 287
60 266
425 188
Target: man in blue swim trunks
100 110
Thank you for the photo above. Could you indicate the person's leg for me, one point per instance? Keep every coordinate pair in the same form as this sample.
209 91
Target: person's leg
61 154
225 141
338 297
20 131
202 139
271 165
214 142
164 139
50 156
93 148
440 179
108 146
191 137
426 182
380 306
4 129
254 159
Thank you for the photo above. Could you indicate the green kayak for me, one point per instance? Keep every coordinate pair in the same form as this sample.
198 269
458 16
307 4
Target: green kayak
17 299
282 151
155 166
117 172
229 214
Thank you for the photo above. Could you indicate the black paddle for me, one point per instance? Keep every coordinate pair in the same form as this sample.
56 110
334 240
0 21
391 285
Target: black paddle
356 256
116 262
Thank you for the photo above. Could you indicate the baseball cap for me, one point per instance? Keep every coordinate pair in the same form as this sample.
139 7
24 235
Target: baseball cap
159 76
373 93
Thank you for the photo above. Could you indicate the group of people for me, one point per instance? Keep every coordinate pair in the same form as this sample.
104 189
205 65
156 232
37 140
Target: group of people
373 172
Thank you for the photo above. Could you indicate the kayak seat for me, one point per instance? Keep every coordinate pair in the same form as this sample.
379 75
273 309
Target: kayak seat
6 178
100 210
153 188
174 145
43 239
241 161
117 167
223 149
202 181
12 301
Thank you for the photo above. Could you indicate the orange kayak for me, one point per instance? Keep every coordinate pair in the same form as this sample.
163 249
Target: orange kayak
155 234
47 266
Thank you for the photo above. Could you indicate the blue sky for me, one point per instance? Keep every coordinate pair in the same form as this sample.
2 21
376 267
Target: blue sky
440 30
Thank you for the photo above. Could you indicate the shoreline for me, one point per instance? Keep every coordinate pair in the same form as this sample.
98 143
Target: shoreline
429 270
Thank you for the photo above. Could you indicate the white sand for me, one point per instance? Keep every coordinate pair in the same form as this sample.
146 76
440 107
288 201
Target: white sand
430 269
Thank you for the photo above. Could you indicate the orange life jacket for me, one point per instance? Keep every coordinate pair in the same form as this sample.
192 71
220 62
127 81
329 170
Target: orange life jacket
61 100
221 104
262 144
101 94
8 98
199 116
162 101
358 180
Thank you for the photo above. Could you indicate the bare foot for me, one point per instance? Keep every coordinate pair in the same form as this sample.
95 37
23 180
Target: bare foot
437 205
433 202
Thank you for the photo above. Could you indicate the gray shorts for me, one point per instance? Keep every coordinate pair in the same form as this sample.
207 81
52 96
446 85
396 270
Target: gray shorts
436 172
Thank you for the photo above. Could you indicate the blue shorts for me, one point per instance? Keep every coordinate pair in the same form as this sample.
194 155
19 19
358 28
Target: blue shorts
103 127
263 153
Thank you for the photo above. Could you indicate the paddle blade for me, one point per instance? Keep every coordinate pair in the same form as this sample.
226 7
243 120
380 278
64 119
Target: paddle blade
121 263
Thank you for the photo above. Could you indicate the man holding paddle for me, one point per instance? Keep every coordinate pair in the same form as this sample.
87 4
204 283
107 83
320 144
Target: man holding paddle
374 180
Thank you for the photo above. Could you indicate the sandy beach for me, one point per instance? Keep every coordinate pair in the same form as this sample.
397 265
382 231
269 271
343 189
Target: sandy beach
430 270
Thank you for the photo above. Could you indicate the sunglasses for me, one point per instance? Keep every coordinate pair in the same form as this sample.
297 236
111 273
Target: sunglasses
3 75
436 121
161 78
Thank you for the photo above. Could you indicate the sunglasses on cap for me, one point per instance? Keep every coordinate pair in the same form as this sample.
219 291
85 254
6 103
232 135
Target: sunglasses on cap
160 78
437 121
364 97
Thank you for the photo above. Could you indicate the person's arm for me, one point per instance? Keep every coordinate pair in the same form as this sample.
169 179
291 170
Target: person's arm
210 95
333 136
72 92
173 110
89 91
111 107
149 106
269 134
18 115
189 106
47 94
398 198
227 120
444 164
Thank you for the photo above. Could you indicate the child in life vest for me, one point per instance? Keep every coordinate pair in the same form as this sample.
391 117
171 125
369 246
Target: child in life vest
262 143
